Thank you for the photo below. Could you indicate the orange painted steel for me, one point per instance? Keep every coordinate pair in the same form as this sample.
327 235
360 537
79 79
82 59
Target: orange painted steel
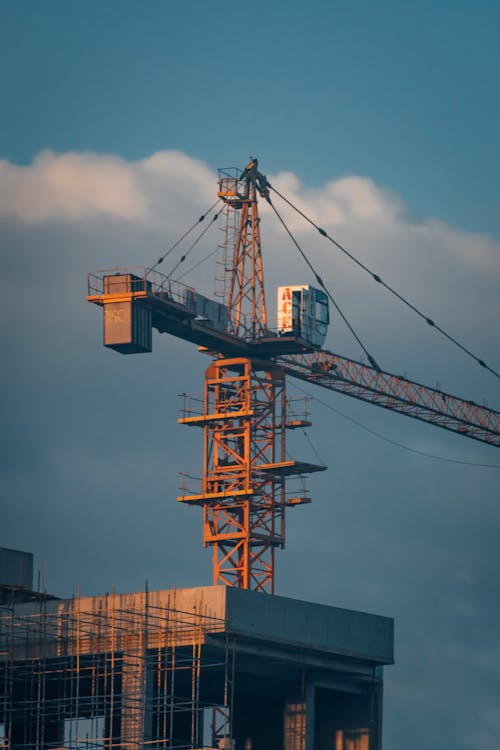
244 411
245 468
246 298
396 393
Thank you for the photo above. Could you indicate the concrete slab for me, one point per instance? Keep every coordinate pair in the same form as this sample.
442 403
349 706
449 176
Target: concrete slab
302 624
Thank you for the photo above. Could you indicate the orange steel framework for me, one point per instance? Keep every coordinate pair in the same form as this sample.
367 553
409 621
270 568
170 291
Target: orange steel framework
244 418
395 393
244 414
246 296
243 493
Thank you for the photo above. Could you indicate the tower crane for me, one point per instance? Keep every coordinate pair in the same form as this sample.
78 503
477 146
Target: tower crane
245 414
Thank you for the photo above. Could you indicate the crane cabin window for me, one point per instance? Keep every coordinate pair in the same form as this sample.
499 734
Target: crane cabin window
322 314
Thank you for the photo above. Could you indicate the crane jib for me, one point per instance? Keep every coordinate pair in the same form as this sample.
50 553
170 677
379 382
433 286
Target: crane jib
396 393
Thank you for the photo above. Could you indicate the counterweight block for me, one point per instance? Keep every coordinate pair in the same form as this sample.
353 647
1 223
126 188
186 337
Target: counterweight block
127 320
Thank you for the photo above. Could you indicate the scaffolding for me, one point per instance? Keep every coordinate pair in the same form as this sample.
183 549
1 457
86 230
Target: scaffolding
116 671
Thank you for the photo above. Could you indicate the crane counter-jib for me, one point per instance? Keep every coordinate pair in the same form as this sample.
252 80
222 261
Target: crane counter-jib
136 301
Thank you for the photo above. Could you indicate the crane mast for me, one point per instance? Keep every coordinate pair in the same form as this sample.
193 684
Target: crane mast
245 415
245 418
244 495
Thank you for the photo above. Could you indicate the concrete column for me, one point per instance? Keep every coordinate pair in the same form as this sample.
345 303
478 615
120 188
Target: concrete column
136 701
298 721
294 725
310 715
376 705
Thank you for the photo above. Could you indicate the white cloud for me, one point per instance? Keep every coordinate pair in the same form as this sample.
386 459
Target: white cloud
187 172
170 186
78 185
75 186
70 186
338 202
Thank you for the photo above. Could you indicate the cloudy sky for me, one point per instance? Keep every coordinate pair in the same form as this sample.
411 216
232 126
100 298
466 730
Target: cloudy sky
381 122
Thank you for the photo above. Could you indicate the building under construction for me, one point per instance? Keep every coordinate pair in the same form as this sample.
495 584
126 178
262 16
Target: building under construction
191 668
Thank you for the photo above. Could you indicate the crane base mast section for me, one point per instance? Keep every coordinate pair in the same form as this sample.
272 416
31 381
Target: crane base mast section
245 417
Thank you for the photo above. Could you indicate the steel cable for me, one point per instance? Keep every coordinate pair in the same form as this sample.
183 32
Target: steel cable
389 288
183 257
320 281
390 440
178 242
196 265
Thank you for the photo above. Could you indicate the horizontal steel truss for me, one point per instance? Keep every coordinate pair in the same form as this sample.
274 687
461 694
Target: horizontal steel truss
395 393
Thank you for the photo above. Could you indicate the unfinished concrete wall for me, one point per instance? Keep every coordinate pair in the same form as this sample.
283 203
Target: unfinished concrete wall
146 667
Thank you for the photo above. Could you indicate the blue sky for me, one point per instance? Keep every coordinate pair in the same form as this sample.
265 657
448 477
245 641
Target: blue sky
407 93
382 121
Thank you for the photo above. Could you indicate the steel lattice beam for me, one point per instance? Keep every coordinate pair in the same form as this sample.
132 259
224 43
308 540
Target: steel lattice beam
396 393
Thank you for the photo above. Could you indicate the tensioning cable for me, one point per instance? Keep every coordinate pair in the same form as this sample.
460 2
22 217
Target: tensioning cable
186 233
202 233
392 442
320 281
199 263
389 288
